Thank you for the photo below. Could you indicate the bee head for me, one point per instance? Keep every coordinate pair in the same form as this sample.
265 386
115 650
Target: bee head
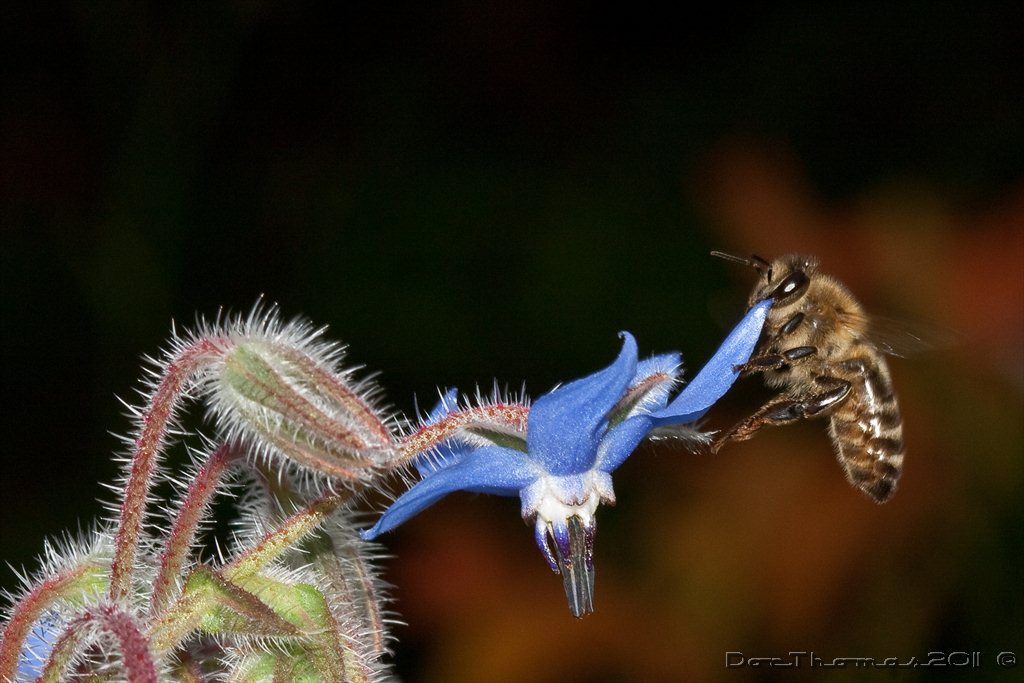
784 280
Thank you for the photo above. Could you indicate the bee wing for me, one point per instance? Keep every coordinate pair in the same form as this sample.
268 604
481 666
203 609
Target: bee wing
903 338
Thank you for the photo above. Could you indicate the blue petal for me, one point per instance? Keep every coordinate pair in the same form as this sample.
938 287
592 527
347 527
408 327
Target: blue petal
718 375
488 469
707 387
442 456
621 441
656 396
566 425
37 647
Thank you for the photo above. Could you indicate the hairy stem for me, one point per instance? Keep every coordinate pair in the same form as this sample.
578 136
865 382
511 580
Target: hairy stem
147 446
285 536
498 418
67 584
182 534
136 658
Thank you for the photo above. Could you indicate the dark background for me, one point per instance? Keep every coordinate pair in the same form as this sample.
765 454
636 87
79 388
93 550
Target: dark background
470 191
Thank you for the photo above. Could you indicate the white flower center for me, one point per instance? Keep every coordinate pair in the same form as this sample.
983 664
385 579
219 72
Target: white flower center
554 499
553 511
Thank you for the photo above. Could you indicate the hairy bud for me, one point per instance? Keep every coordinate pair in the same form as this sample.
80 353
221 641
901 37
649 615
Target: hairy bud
280 390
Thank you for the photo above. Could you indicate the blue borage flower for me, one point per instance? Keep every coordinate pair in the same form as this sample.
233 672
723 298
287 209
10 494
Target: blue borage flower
575 437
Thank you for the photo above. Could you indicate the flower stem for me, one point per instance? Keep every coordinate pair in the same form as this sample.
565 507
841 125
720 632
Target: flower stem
500 418
148 444
186 524
286 536
136 658
79 579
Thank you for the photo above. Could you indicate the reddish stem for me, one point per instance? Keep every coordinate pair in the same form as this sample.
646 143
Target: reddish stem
186 524
147 446
372 602
497 417
136 659
27 611
286 535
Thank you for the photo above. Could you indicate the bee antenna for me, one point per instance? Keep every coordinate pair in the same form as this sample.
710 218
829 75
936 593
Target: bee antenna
755 262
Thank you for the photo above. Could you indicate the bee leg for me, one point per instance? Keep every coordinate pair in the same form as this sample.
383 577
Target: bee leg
785 410
775 361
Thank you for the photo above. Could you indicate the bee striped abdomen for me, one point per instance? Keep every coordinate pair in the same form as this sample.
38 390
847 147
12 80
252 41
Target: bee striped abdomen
867 429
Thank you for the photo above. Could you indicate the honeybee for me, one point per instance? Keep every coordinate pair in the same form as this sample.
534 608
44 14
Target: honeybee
817 347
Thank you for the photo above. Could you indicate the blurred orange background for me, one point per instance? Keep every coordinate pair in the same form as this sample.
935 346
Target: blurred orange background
466 193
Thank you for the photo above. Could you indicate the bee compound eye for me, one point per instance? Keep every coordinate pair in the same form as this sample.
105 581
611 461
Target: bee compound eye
794 285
